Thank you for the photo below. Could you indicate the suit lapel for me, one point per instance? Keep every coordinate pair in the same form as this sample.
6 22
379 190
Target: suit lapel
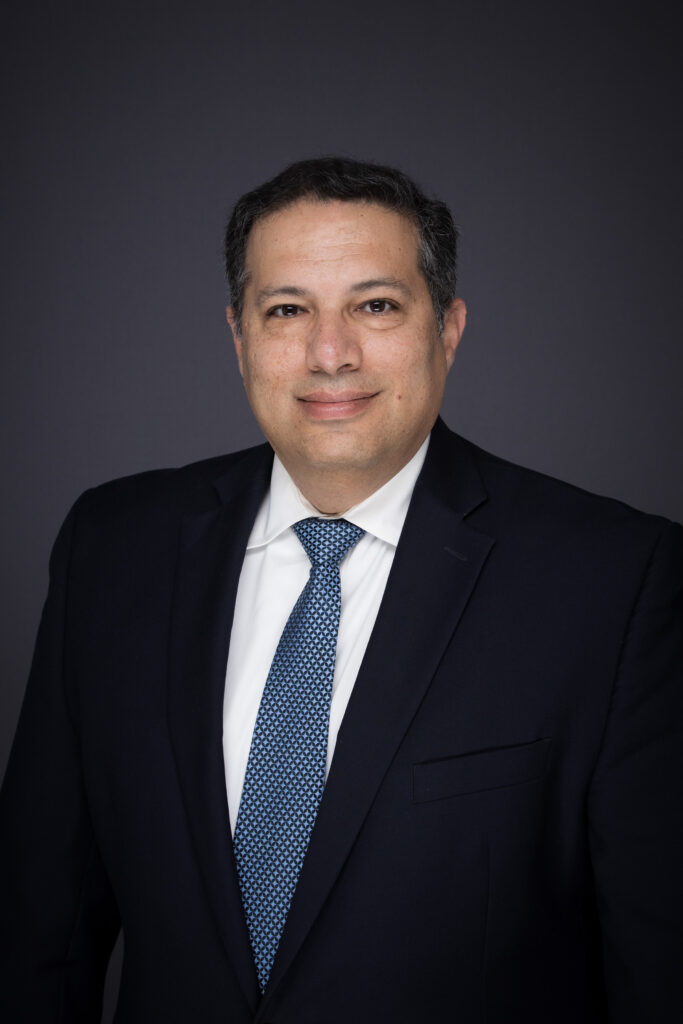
211 551
436 566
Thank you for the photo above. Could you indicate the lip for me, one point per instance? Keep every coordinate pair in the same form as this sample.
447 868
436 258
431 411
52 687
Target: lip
335 405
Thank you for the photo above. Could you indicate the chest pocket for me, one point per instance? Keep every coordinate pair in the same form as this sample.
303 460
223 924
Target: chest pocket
485 769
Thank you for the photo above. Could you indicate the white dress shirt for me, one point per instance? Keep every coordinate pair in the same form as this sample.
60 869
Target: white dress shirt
274 572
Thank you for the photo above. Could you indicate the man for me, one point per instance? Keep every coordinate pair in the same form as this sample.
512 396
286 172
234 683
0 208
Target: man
444 782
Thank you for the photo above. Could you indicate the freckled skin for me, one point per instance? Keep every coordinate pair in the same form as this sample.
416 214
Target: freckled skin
325 362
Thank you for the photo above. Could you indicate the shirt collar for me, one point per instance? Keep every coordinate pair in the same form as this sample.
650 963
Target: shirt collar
382 514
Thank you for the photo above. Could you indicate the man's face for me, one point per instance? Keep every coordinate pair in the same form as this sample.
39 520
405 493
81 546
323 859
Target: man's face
340 353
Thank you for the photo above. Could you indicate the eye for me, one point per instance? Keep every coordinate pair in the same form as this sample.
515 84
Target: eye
379 306
287 310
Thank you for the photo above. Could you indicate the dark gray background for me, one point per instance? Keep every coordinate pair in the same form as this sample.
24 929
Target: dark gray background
129 131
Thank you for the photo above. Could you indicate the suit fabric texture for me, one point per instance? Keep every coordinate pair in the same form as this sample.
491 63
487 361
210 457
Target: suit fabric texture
499 839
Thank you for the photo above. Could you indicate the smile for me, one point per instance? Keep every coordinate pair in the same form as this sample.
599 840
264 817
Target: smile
322 405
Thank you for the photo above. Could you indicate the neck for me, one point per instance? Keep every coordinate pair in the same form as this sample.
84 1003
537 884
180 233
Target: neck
334 491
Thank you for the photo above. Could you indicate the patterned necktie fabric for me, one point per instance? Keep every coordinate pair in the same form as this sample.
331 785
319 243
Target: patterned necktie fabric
285 774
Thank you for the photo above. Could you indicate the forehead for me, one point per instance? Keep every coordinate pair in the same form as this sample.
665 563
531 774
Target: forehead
331 237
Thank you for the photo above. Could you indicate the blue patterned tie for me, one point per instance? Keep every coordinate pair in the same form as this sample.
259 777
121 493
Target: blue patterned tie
285 774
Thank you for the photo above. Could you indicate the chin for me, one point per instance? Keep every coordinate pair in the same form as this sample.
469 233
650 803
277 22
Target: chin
338 453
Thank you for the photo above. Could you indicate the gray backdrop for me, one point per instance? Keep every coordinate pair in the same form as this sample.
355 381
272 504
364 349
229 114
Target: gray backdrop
129 131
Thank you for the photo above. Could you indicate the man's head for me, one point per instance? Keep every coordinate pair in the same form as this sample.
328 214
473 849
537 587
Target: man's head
338 178
341 342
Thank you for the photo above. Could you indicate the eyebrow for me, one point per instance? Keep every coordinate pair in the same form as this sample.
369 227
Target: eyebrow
285 290
382 282
292 291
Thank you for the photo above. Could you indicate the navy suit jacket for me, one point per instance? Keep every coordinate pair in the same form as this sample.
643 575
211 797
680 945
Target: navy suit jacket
500 835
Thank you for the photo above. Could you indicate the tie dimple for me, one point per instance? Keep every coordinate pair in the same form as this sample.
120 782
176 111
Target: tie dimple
285 774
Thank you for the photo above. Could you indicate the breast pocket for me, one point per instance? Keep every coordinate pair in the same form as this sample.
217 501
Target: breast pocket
480 770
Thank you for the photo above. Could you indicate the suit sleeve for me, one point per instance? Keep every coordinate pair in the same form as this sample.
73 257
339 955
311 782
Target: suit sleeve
58 917
635 803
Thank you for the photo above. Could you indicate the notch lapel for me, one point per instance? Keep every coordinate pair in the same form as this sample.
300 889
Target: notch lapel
211 551
436 566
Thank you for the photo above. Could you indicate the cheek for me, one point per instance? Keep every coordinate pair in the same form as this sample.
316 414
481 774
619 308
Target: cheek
265 374
414 371
420 384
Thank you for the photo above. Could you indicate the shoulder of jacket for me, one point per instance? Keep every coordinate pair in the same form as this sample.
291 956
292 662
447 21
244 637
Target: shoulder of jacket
172 490
535 497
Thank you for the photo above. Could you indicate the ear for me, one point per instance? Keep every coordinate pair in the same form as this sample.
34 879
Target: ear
237 341
453 327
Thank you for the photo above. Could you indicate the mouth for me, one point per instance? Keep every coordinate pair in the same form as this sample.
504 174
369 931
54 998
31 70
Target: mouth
339 405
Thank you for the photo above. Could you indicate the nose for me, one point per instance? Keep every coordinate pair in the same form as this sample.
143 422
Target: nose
333 347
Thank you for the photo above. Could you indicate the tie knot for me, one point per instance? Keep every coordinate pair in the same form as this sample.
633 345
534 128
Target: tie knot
326 541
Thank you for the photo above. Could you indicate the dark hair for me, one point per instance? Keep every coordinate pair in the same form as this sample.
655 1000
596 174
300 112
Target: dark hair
338 178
